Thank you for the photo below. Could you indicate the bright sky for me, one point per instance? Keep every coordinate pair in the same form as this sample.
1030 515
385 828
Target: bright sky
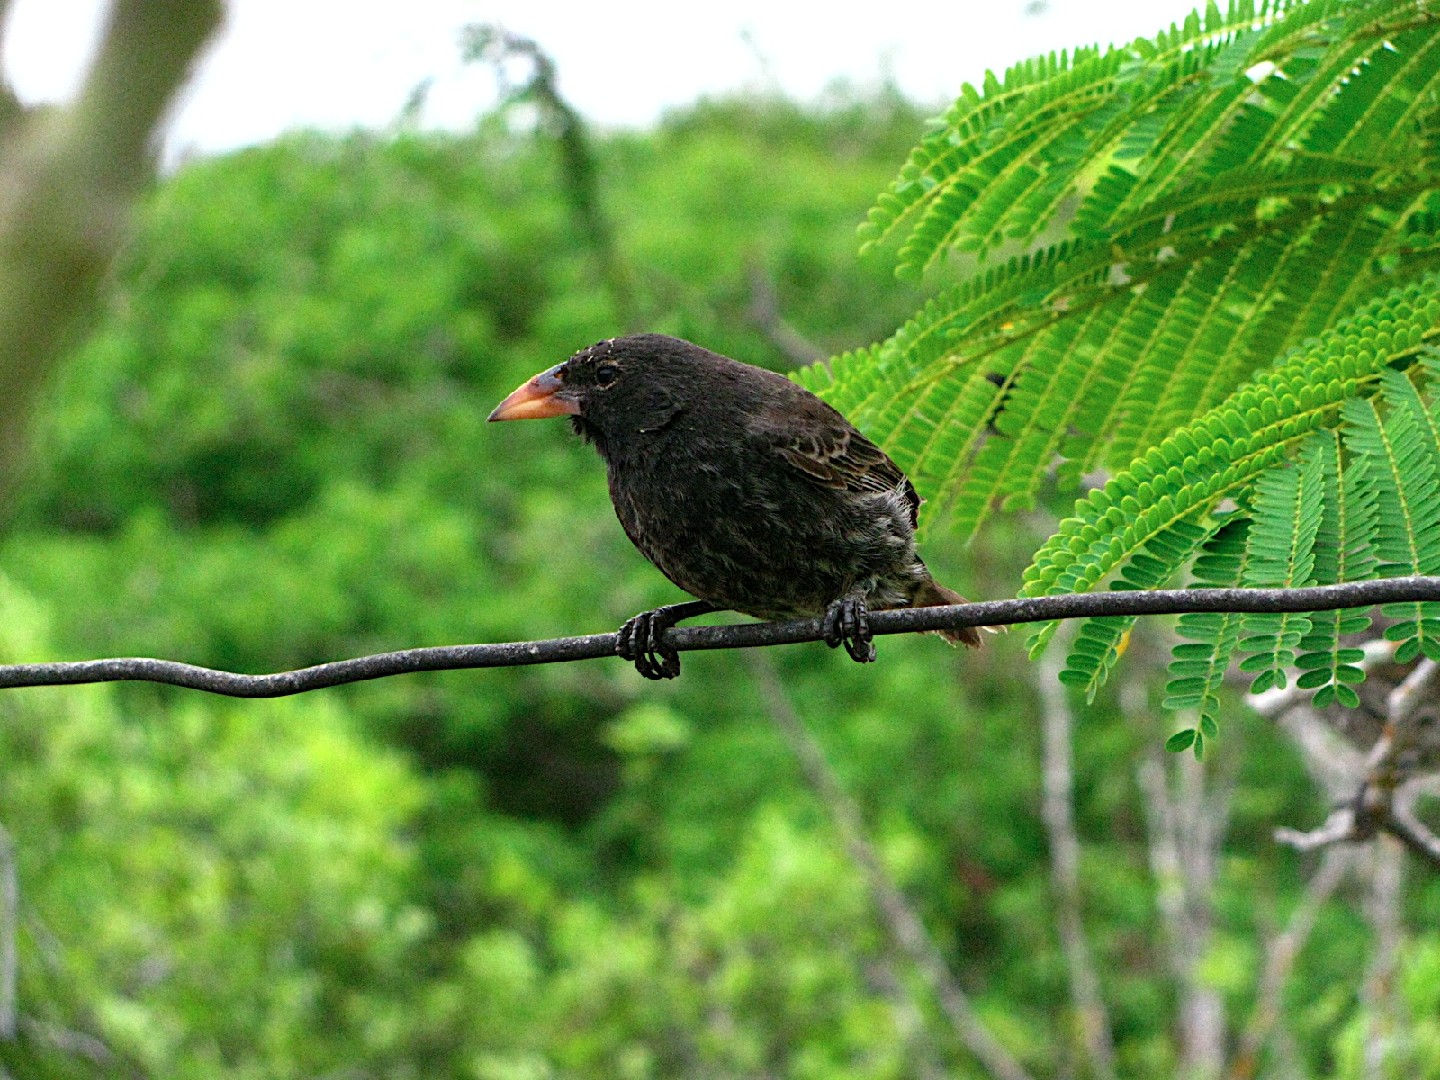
324 63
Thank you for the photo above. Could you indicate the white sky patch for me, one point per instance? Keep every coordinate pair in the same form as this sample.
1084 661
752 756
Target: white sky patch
282 64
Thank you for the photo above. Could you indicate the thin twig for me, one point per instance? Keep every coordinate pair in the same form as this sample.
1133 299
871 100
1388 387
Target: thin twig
901 922
1412 832
1339 827
67 1040
738 636
764 315
579 168
1378 797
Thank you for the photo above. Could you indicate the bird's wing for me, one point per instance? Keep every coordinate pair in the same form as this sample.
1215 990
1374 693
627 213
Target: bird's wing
813 438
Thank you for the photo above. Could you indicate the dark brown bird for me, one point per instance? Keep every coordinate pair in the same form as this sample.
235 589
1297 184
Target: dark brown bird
745 489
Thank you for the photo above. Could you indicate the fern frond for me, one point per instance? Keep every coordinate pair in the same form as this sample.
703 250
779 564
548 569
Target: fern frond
1007 127
1281 554
1344 551
1407 538
1225 451
1244 181
1233 311
1100 642
1197 670
1142 361
1323 50
1388 94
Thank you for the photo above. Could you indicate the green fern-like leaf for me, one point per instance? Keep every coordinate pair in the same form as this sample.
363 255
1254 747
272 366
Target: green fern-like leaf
1198 668
1344 551
1245 181
1407 540
988 171
1100 642
1234 303
1281 555
1227 450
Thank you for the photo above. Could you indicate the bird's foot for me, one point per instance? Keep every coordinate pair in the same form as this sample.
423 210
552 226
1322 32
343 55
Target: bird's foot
641 640
847 622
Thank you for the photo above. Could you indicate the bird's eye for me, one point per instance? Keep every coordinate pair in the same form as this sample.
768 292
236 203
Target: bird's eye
605 374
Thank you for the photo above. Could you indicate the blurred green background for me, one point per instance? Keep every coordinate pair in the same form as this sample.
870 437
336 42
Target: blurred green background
271 451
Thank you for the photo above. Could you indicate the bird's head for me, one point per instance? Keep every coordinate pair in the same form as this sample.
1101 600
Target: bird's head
629 385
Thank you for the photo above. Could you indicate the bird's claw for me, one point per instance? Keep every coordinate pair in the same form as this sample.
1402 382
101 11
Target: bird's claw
847 622
641 641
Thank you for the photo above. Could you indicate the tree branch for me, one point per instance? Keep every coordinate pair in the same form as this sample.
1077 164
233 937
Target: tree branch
1184 827
579 175
68 179
9 924
1281 952
903 925
1413 833
1058 812
1379 992
1377 791
697 638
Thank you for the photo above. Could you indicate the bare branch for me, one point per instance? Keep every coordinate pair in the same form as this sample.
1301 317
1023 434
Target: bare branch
1406 700
9 929
66 1040
1333 763
1379 991
1412 832
1361 820
1281 952
1184 848
764 315
1378 795
696 638
1339 828
68 178
902 923
579 176
1059 815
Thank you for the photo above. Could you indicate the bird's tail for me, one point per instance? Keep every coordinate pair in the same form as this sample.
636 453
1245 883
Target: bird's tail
932 594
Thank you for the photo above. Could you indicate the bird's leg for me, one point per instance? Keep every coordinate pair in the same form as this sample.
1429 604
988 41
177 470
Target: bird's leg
641 639
847 622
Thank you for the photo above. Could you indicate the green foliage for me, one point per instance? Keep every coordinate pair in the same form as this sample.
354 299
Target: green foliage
1198 670
1281 556
1207 249
272 451
201 878
1411 1041
1343 552
1402 466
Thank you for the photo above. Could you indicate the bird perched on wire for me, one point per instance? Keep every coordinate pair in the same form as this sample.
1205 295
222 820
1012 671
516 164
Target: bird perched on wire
745 489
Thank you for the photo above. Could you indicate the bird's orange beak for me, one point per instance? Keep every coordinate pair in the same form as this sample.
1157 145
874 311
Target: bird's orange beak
542 396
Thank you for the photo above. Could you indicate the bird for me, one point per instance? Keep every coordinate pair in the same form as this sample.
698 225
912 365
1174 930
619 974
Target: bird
743 488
